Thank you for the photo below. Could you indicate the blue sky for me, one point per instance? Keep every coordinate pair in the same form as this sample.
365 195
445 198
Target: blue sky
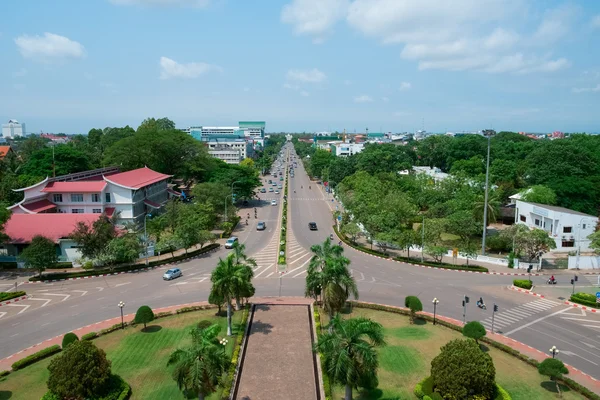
302 65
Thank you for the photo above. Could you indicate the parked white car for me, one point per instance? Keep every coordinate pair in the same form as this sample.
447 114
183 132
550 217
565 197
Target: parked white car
172 274
273 202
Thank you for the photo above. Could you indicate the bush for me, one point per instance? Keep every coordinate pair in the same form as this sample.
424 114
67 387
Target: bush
4 373
424 387
163 314
144 315
502 394
35 357
116 389
204 324
522 283
81 371
462 370
498 243
89 336
11 295
414 305
585 299
113 328
68 339
88 265
474 330
228 382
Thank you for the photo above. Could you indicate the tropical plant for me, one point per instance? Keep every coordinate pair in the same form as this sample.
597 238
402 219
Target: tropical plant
199 366
554 368
246 263
348 351
228 280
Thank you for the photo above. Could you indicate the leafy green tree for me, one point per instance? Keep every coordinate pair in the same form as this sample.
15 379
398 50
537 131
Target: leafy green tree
168 243
40 254
67 160
555 369
595 241
215 298
349 354
213 193
81 371
246 263
319 161
408 238
93 239
144 315
244 179
124 249
161 124
472 167
414 305
4 217
436 252
539 194
474 330
197 368
533 242
462 371
351 231
32 144
68 339
227 279
376 158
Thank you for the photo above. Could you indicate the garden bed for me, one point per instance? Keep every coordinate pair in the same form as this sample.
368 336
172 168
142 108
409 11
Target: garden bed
11 295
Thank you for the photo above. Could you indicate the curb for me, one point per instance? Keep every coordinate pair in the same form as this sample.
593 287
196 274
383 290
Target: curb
570 303
513 287
125 272
14 300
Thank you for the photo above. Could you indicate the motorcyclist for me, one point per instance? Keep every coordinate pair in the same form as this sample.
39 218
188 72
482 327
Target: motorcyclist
552 279
331 236
309 187
480 302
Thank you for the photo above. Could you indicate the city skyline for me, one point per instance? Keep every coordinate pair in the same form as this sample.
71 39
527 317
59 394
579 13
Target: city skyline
303 65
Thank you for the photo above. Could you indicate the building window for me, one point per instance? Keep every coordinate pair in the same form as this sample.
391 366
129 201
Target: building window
57 197
107 197
77 198
567 229
77 210
568 243
97 211
537 222
95 197
522 218
583 226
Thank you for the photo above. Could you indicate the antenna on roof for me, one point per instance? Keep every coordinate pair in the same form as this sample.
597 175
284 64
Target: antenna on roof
53 163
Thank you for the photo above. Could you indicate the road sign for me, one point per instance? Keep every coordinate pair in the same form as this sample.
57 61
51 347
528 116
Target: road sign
339 217
598 297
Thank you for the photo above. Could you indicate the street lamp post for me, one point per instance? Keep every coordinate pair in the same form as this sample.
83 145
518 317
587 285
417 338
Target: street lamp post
226 217
489 133
554 351
121 305
464 304
423 239
224 344
435 302
146 236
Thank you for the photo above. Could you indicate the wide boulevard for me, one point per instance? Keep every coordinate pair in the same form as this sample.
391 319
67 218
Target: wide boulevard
56 308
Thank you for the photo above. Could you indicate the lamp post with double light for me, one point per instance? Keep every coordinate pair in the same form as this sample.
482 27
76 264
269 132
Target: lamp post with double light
224 344
554 351
121 305
435 302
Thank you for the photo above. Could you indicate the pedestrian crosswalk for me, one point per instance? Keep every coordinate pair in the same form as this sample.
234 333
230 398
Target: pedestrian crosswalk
310 198
514 315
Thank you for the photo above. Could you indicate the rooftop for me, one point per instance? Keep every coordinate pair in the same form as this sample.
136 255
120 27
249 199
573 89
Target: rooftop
94 186
559 209
137 178
4 151
21 228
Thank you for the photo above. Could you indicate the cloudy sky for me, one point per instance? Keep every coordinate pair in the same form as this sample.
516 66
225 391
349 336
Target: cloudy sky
302 65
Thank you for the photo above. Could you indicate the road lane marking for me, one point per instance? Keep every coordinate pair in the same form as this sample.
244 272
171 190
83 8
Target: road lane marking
263 271
295 269
536 321
299 273
2 314
43 305
100 288
269 274
65 296
19 305
83 292
121 284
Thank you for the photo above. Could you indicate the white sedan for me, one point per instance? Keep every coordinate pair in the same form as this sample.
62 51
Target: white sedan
273 202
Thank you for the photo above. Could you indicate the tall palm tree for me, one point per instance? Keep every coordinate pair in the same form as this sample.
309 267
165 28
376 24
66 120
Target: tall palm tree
228 279
322 253
199 366
349 354
242 260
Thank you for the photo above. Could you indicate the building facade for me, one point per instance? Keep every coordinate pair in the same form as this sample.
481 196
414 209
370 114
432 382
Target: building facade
13 129
569 229
346 149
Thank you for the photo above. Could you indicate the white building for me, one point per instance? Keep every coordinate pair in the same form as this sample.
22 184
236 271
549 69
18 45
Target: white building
13 129
568 228
232 151
346 149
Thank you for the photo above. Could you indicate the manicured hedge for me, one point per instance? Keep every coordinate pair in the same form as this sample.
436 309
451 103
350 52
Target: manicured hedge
585 299
326 383
124 268
4 373
424 391
40 355
228 384
89 336
11 295
118 390
523 283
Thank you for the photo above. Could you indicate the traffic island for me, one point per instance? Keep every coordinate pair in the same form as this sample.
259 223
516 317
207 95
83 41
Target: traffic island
282 254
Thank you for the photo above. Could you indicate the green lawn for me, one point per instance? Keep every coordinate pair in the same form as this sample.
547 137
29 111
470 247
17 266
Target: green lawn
139 357
407 359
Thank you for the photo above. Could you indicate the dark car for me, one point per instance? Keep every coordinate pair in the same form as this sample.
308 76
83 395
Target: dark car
312 226
261 226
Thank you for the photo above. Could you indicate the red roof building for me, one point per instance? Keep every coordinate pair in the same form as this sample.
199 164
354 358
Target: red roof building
137 178
4 150
21 228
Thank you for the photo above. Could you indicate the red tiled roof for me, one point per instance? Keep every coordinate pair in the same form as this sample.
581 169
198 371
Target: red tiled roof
4 151
39 206
173 192
109 211
152 204
137 178
21 228
75 187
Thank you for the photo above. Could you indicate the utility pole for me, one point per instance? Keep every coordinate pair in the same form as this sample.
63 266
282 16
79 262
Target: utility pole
464 303
423 239
489 133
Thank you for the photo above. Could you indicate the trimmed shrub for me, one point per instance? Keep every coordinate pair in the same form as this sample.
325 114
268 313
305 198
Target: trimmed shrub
502 394
35 357
522 283
414 305
89 336
4 373
113 328
163 314
144 315
585 299
68 339
554 368
117 389
11 295
474 330
462 370
424 388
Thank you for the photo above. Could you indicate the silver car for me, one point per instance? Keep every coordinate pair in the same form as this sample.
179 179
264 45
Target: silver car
172 274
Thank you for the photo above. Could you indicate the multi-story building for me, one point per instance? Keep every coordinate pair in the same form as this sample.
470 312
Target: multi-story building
346 149
13 129
252 131
231 150
569 229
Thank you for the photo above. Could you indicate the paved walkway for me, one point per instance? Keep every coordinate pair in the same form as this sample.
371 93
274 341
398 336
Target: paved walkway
279 362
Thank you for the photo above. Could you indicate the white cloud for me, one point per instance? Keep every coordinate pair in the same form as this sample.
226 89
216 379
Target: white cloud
363 99
587 89
20 73
49 47
314 17
177 3
172 69
385 99
555 24
304 93
311 76
405 86
596 22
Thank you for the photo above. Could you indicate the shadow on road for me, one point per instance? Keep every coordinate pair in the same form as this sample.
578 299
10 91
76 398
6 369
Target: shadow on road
261 327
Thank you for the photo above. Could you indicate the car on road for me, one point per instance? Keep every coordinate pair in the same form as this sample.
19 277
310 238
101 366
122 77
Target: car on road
312 226
230 242
172 274
279 187
277 192
261 226
281 179
274 183
263 190
273 202
270 189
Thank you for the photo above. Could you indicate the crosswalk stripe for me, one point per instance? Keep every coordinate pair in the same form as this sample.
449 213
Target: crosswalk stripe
299 273
536 306
505 318
263 271
521 313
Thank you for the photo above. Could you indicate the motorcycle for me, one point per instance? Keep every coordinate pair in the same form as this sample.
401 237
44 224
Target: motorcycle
481 305
551 282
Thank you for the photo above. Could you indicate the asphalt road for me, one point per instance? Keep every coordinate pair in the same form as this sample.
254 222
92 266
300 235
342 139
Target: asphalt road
539 323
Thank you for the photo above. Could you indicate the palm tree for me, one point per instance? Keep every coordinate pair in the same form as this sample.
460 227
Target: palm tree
322 253
242 260
199 366
228 280
349 354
